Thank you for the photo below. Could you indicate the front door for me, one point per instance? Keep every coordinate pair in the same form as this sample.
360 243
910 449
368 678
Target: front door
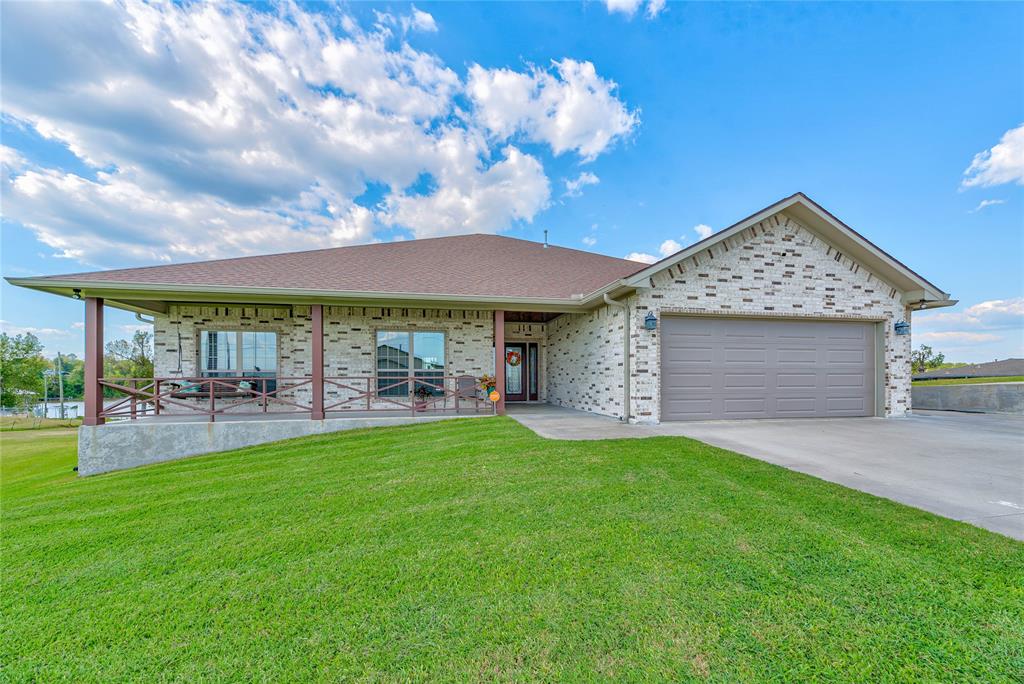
515 371
521 368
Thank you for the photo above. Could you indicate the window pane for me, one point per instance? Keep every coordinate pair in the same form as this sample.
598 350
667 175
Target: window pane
533 371
392 350
392 363
392 384
429 350
259 353
428 363
217 352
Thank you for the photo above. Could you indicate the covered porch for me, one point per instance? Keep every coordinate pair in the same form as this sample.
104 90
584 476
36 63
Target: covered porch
219 362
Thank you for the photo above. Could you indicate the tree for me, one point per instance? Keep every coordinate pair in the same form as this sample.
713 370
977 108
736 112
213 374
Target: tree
74 378
924 358
21 368
130 358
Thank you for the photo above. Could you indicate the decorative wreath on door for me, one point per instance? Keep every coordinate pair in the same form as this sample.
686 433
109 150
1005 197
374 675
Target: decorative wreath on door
513 358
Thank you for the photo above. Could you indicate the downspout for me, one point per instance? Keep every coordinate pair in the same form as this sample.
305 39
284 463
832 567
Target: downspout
625 353
142 319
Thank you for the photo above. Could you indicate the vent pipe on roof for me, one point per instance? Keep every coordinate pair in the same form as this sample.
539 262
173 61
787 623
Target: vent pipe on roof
545 238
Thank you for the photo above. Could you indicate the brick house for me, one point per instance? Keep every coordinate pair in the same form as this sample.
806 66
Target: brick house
787 313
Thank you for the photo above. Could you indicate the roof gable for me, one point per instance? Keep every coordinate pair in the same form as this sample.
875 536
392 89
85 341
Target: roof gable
813 217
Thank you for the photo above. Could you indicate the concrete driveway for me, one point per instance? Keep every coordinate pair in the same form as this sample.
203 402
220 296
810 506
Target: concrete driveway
964 466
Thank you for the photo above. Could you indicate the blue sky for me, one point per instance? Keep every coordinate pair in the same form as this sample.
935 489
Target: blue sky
136 135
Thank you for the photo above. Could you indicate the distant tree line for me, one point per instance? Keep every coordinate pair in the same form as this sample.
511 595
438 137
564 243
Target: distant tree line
24 369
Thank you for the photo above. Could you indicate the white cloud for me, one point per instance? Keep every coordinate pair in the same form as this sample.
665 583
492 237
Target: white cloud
984 323
568 107
957 336
116 218
574 186
630 7
420 21
223 129
987 203
669 247
654 8
988 315
642 257
589 240
12 329
469 200
1003 163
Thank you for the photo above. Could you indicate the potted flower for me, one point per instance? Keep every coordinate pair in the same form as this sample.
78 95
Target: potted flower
487 383
422 394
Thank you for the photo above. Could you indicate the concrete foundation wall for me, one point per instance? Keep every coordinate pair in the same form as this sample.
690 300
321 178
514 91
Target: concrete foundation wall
1003 397
119 446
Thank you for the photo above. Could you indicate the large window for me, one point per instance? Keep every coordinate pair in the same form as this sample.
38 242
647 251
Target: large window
231 353
403 356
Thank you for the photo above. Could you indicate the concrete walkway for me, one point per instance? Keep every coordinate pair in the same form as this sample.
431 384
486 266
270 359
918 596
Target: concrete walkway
968 467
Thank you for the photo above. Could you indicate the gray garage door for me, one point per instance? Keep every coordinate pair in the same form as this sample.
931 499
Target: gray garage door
715 368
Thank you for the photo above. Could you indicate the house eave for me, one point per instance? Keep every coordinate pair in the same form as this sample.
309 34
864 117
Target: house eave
139 296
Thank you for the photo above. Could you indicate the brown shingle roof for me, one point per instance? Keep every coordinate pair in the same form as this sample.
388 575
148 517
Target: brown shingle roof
464 265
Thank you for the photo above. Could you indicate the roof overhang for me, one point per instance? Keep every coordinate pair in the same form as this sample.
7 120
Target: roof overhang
154 297
915 290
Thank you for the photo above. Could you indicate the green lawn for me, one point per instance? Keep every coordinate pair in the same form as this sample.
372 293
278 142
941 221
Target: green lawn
475 550
969 381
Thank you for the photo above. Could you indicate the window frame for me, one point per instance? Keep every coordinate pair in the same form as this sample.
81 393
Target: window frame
240 371
409 383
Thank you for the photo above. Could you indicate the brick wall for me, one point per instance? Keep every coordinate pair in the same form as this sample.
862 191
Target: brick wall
584 369
776 268
349 339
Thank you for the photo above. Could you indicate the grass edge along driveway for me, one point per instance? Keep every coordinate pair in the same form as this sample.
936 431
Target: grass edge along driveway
473 549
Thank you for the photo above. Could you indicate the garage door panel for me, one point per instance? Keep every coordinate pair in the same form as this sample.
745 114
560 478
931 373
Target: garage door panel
858 356
796 405
854 405
692 409
691 380
796 380
746 380
735 355
799 356
686 355
845 380
744 408
738 368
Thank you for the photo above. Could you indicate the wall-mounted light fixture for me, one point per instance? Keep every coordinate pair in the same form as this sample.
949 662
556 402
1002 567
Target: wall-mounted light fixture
902 328
76 293
650 321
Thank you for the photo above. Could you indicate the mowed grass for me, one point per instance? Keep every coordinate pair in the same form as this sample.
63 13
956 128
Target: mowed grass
970 381
475 550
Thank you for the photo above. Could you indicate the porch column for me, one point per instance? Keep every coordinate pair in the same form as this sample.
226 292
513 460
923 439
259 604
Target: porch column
93 360
499 359
317 311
